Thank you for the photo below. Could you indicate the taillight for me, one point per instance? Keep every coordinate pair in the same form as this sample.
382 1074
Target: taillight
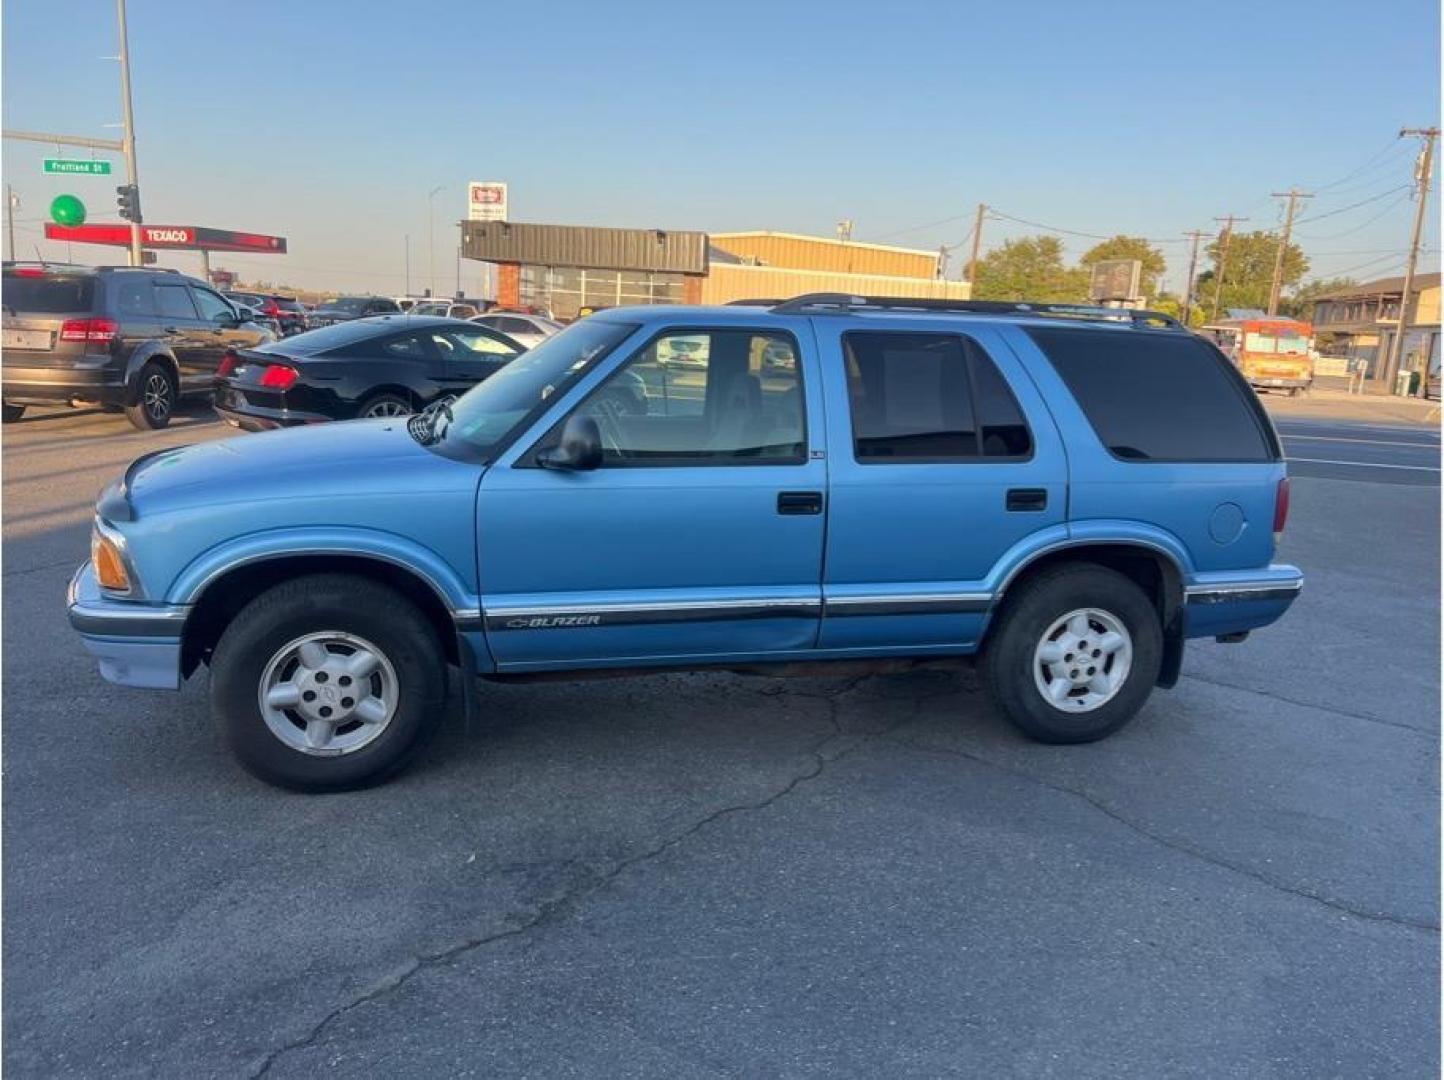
272 309
228 364
279 377
28 271
1281 508
92 330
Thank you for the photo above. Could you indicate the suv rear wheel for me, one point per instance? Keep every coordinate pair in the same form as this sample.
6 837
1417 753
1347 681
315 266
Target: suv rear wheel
155 396
1075 655
327 682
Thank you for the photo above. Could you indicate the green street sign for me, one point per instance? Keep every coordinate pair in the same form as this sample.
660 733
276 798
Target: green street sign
83 168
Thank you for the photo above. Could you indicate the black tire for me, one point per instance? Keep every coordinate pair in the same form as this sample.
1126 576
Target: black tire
155 397
375 406
1029 611
12 413
340 603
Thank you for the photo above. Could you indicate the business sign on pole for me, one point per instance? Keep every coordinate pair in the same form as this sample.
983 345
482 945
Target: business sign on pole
174 237
1116 279
485 201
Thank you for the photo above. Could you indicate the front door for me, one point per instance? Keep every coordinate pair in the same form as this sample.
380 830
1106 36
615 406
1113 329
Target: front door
698 538
469 354
942 457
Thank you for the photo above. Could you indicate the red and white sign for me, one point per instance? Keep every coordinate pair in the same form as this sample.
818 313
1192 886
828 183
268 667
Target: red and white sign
485 201
174 237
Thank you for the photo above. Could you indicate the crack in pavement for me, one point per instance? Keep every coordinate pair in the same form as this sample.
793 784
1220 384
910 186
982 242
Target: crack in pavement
553 907
1314 705
1179 846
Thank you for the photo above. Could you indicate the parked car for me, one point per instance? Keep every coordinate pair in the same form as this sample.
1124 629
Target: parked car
386 365
288 313
530 330
123 338
1071 493
352 307
450 309
250 314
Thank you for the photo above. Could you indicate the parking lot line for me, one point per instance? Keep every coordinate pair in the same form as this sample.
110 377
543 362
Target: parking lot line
1364 464
1369 442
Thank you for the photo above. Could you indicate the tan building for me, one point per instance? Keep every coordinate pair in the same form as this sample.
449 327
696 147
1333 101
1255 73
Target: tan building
567 269
751 265
1360 322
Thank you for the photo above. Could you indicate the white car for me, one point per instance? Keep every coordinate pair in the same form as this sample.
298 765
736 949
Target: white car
530 330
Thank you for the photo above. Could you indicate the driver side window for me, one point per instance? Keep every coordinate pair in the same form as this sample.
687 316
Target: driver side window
211 306
704 397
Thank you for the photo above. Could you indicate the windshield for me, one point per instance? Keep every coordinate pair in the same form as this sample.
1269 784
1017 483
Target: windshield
1280 341
516 394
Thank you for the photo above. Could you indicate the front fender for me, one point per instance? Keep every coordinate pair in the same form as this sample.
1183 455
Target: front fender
279 543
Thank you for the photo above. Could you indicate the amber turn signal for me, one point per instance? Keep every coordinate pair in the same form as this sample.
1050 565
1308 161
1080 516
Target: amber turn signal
109 566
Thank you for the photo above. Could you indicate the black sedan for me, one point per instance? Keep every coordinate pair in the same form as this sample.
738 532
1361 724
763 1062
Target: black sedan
389 365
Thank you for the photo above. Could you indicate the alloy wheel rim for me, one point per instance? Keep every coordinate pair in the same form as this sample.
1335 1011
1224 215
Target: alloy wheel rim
1082 660
388 408
328 693
157 395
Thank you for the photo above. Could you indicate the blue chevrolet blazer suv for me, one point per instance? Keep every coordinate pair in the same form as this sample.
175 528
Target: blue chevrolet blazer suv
1069 493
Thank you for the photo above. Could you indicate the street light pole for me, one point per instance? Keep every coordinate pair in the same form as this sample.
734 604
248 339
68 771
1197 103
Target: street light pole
11 199
431 234
127 141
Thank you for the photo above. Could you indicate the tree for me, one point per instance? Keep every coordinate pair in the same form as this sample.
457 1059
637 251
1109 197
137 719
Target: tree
1129 247
1029 269
1300 303
1249 272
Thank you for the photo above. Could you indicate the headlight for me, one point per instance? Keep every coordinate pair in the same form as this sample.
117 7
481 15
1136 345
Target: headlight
109 563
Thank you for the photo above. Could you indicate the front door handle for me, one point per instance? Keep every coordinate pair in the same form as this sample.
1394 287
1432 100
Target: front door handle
799 502
171 330
1027 499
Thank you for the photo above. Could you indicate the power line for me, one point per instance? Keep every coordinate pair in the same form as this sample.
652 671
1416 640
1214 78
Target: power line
915 228
1355 206
1362 225
1390 145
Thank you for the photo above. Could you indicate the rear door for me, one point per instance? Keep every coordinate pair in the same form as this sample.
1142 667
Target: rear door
942 456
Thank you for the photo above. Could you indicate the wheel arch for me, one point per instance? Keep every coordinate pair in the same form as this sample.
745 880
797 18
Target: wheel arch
405 393
142 356
1152 566
223 595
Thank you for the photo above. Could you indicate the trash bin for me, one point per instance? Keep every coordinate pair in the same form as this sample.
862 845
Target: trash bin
1406 384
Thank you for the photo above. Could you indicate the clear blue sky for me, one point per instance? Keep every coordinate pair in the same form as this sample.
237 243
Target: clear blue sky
328 121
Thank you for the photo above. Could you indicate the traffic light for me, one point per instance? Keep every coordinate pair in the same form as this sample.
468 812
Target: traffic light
127 197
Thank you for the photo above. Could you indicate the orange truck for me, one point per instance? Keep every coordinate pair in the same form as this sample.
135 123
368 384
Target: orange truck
1273 353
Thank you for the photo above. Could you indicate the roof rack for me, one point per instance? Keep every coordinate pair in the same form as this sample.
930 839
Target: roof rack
818 303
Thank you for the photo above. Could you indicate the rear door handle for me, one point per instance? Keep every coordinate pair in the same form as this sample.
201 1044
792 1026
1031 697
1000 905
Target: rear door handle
1027 499
171 330
799 502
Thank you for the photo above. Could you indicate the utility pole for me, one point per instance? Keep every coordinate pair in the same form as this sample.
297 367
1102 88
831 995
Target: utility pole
977 246
1225 235
1422 173
11 201
408 265
1195 236
127 136
431 236
1293 195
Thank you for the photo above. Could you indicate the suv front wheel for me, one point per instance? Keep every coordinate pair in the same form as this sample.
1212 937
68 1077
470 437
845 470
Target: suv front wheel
155 397
1075 654
327 682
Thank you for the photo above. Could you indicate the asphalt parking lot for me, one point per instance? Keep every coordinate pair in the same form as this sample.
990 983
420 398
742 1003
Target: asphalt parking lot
709 875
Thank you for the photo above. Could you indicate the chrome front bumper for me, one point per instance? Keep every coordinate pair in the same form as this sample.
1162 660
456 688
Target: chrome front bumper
136 644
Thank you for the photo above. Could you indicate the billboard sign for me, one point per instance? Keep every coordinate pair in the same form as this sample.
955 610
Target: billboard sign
485 201
1116 279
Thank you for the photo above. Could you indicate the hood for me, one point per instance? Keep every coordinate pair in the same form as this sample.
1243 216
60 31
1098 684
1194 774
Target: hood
359 458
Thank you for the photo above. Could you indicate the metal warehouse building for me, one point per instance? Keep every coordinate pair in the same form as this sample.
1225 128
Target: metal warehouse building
566 268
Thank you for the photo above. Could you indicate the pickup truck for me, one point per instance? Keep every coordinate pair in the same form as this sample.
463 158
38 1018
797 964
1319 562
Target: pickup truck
1067 493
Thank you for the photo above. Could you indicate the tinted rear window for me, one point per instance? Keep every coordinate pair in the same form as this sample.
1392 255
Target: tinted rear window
52 295
1157 396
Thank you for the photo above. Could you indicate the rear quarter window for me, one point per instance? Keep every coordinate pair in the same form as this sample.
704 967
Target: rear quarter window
1159 396
53 295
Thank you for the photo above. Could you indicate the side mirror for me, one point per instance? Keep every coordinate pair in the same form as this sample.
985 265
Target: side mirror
230 320
580 447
